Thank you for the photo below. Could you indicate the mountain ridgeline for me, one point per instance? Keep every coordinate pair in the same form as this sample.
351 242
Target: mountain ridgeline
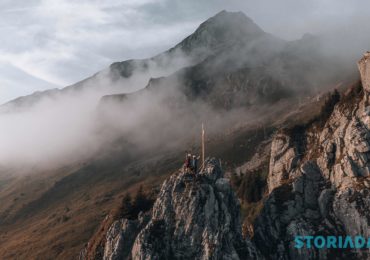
236 64
217 59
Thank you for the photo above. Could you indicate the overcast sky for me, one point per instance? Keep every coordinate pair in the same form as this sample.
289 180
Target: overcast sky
54 43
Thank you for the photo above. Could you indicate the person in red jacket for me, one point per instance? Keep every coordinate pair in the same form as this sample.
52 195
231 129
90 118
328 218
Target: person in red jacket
188 162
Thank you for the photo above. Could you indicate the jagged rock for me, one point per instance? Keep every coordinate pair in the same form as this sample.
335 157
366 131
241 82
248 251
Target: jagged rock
191 219
303 211
325 198
332 194
120 237
364 68
367 111
282 161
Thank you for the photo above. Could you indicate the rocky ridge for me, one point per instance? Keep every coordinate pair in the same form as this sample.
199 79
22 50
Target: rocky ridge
318 181
192 218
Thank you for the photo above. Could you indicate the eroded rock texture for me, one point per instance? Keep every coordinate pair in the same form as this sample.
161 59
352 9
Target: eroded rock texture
322 189
192 218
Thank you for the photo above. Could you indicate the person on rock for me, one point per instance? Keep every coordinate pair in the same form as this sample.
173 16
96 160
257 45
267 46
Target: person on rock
194 163
187 162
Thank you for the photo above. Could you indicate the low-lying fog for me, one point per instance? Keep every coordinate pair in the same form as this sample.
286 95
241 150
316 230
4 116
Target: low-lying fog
69 127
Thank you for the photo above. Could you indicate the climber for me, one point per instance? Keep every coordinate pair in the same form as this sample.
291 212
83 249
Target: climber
194 164
187 162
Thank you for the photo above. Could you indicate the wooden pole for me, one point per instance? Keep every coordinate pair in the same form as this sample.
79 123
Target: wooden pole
203 148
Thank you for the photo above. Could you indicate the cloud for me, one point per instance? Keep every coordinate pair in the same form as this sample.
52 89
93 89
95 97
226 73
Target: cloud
63 41
57 42
64 126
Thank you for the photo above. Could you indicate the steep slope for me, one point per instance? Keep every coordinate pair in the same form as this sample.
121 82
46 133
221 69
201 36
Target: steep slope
223 31
42 211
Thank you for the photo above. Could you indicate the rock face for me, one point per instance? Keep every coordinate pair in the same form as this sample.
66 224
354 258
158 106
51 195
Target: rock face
322 189
192 218
120 237
285 154
364 69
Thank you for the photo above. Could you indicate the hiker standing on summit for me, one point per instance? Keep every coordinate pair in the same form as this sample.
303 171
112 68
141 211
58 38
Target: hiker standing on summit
188 162
194 163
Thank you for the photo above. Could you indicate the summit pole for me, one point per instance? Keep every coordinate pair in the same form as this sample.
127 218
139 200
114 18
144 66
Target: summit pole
203 148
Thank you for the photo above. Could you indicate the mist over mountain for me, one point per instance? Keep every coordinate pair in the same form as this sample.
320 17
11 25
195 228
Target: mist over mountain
70 156
225 73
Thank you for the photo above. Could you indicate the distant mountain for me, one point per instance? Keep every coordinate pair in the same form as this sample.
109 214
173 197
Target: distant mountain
224 30
222 50
241 66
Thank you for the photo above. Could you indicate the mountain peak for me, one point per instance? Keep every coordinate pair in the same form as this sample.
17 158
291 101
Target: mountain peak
221 30
236 24
236 16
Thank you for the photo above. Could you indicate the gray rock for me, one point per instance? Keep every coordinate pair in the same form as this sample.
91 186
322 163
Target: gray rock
223 185
201 220
283 160
325 199
120 237
331 196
